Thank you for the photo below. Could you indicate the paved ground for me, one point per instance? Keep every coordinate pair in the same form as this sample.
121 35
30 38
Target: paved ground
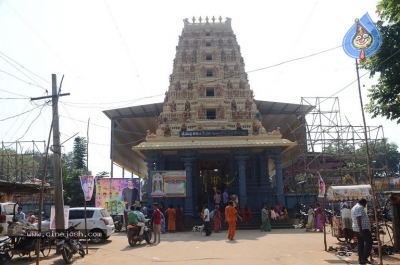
279 247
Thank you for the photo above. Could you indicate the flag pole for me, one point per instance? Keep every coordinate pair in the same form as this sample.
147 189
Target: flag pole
369 169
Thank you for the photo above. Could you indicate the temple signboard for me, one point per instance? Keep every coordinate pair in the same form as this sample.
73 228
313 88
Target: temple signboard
214 133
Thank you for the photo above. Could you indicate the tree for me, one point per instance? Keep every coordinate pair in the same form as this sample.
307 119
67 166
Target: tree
385 156
80 152
385 95
73 194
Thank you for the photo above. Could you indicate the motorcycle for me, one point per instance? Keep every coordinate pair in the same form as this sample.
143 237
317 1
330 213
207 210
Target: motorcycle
133 233
70 245
328 216
6 250
117 222
302 215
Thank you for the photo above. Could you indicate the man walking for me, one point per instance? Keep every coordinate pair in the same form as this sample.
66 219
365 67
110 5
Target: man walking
206 220
225 197
156 223
230 217
362 228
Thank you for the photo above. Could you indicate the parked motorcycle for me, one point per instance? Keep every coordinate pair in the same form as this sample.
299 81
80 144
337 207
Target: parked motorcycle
133 233
302 215
117 222
328 216
70 245
6 252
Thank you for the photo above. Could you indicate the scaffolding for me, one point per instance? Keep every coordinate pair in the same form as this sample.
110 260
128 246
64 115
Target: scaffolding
22 161
334 149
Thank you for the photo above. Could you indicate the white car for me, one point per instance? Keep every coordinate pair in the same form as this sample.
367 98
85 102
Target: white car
100 225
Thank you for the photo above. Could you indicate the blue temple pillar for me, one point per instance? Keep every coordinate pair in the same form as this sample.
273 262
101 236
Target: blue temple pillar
241 160
264 174
150 167
188 162
280 196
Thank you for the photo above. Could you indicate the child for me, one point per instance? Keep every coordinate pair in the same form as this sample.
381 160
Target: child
273 215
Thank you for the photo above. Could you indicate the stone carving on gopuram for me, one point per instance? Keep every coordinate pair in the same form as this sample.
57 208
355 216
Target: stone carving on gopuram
209 89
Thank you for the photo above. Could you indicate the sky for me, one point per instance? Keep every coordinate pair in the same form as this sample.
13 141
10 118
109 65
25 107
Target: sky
116 54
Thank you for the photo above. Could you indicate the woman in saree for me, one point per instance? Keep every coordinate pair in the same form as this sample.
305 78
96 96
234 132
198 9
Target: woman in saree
266 224
319 224
171 214
217 219
310 221
179 218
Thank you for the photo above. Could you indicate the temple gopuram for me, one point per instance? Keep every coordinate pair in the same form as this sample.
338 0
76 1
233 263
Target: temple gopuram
210 125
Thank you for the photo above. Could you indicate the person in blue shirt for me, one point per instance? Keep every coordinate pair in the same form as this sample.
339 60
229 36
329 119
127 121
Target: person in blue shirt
141 222
20 215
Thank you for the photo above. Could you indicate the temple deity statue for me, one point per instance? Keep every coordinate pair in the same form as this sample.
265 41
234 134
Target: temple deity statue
218 91
172 105
167 130
241 84
183 128
256 127
248 104
201 90
229 85
221 111
159 119
190 85
166 97
178 85
233 105
238 126
187 105
201 112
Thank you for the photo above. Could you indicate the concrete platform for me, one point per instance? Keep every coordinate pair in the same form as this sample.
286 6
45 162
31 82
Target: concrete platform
279 247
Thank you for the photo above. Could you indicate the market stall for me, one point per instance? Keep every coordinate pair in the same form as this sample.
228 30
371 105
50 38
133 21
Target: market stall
337 195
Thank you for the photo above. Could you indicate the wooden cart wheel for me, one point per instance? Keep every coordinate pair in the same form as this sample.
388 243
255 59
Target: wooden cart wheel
32 250
45 246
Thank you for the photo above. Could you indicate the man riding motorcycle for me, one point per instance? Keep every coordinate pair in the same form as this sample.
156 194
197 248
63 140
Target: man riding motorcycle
133 219
142 220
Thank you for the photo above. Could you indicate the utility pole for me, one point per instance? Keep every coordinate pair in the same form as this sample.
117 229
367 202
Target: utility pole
58 183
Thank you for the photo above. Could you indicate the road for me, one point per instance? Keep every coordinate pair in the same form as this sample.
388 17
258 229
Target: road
279 247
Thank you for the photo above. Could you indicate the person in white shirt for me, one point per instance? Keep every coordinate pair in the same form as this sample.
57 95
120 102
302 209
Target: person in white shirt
217 199
345 213
206 219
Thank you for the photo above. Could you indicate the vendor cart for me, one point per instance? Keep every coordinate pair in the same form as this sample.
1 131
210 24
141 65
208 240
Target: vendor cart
26 244
337 195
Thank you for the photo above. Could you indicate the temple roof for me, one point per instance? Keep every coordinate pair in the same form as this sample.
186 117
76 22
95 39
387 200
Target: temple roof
131 124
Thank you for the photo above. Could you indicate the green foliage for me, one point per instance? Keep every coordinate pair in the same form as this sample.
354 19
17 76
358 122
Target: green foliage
384 156
102 174
385 95
21 166
80 153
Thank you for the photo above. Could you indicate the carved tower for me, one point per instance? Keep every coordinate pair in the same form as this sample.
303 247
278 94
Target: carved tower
208 89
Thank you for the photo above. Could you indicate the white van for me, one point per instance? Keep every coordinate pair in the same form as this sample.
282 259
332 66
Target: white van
8 208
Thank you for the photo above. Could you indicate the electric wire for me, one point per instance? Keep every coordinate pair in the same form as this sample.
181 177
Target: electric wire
41 39
13 98
105 103
20 114
14 93
361 76
28 126
108 128
37 84
123 41
24 67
